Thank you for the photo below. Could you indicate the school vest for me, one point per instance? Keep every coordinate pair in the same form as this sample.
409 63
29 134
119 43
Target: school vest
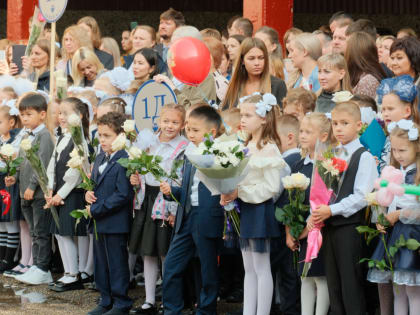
346 189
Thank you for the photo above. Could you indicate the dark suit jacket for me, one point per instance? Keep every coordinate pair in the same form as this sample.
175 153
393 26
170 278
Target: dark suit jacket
113 209
106 59
210 212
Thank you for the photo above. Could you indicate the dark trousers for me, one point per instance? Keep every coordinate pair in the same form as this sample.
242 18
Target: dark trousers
343 251
183 247
289 286
39 221
112 275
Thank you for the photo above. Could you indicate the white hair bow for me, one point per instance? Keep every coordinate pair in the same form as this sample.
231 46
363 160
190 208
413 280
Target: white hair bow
263 106
407 125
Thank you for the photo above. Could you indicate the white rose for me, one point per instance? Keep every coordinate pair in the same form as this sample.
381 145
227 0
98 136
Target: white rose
26 144
7 150
119 143
300 181
74 153
134 153
287 182
371 199
75 162
342 96
129 126
74 120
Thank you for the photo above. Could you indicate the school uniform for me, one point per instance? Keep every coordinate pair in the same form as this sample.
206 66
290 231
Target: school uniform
112 212
406 262
151 234
198 228
343 245
259 228
63 181
15 213
38 219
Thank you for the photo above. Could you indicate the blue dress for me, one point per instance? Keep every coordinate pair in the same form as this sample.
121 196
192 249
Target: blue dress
406 262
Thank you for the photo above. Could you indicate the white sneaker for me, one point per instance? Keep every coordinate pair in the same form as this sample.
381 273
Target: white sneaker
26 274
38 277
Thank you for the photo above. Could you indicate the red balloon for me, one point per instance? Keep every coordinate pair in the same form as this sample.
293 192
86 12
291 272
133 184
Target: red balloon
189 60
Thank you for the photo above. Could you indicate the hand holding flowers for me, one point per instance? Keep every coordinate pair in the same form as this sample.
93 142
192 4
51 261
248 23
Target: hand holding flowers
292 214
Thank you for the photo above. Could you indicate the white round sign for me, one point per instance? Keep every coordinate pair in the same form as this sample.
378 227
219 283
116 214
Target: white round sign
148 103
52 10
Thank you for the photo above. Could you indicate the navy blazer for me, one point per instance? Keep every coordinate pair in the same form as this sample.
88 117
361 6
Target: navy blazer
113 209
210 212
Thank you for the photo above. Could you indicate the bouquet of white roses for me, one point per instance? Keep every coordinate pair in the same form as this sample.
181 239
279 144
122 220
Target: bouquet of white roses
7 155
40 172
292 214
221 165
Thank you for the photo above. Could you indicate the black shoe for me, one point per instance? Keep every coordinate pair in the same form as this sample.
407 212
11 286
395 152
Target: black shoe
99 310
88 279
63 287
11 273
6 265
117 311
140 310
240 312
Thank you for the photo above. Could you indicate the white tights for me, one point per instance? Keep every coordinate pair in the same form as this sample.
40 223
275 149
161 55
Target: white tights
25 243
83 247
69 254
258 283
151 271
406 299
314 288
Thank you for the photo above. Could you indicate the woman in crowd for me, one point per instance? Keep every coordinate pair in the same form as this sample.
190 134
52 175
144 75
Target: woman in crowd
91 27
362 61
86 67
252 74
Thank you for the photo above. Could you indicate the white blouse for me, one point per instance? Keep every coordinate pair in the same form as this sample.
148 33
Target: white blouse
266 169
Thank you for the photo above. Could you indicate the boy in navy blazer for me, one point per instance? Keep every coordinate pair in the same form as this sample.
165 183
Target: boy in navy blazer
198 225
112 207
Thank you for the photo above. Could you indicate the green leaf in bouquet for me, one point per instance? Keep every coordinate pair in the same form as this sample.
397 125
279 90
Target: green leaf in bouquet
412 244
365 229
363 260
400 242
392 251
124 162
371 264
235 149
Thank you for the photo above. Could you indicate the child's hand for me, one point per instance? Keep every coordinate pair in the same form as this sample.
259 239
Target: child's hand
393 217
135 179
90 197
88 210
171 220
10 181
380 228
29 194
321 213
48 199
57 200
310 224
165 188
228 198
291 242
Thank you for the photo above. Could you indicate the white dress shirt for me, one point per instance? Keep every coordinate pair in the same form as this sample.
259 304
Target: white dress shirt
363 184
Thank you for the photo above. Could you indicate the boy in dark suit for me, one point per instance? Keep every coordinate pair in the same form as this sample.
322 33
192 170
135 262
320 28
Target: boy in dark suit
112 207
198 225
33 112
